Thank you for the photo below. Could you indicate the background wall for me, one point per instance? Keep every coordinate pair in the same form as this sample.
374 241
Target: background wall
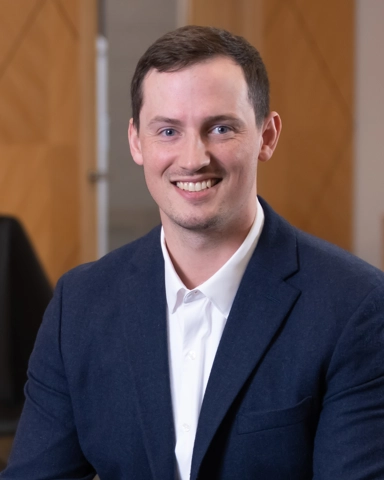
47 119
369 128
309 54
131 26
333 48
326 77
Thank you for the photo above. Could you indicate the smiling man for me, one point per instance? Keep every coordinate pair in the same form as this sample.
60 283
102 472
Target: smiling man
225 344
199 143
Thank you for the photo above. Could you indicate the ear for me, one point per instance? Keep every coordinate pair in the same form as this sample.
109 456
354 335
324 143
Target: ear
134 143
270 135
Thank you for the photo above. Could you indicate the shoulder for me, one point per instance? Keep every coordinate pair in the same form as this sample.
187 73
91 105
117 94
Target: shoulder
109 271
322 271
333 266
337 287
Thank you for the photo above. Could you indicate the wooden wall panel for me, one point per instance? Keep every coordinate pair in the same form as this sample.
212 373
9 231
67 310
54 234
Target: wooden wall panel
24 86
242 17
25 191
63 101
226 14
46 136
330 26
65 198
13 22
309 55
71 13
87 125
308 48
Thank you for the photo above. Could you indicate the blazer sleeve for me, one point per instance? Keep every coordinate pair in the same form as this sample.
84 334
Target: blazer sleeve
349 443
46 445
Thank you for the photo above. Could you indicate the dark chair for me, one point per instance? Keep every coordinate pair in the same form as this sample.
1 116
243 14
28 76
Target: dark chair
24 295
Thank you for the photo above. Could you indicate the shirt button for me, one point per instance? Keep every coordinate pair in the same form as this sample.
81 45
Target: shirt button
192 354
186 427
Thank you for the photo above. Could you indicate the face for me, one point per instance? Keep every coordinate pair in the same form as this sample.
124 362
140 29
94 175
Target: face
199 146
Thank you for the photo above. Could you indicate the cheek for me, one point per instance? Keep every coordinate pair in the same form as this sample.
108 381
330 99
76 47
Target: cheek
156 165
241 160
157 158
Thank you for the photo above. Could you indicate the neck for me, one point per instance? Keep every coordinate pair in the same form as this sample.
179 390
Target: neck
197 256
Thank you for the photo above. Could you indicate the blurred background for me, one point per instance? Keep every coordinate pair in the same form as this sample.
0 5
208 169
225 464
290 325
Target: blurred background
66 175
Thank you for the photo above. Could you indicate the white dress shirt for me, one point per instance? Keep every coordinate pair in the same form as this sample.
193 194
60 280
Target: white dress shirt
196 320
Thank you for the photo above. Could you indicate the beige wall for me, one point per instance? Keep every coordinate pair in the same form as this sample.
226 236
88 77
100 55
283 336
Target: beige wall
369 131
131 26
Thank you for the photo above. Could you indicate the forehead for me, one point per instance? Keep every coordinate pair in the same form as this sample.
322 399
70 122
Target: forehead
207 84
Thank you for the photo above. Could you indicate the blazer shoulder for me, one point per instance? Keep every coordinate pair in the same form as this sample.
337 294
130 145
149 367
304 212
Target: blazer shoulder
333 265
114 266
310 261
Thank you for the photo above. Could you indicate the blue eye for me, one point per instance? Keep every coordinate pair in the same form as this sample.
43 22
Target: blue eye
221 129
168 132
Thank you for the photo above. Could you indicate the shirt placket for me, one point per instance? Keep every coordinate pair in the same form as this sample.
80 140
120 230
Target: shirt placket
194 328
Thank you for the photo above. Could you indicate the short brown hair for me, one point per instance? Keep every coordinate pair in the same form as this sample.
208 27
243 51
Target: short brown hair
192 44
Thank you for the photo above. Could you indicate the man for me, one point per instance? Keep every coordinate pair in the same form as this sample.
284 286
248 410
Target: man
228 344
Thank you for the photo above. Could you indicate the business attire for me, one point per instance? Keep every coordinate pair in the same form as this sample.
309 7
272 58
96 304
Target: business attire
195 322
296 389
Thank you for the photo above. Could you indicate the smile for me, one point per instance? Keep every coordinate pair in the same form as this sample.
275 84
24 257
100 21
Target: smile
196 186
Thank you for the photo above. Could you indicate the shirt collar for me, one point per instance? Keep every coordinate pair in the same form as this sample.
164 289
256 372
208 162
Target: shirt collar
221 288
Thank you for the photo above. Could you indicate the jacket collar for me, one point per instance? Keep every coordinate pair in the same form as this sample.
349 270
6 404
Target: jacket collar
144 308
260 307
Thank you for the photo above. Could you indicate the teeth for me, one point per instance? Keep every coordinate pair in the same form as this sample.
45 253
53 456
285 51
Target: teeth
195 187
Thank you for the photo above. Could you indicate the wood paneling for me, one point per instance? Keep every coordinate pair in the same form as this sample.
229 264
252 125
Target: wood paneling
5 449
72 14
330 28
14 20
47 126
25 191
308 48
88 227
309 56
24 85
242 17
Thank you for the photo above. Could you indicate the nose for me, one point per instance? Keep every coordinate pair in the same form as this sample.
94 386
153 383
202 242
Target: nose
194 154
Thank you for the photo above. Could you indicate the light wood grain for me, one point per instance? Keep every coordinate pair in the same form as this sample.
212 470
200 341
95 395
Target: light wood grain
13 20
242 17
47 127
71 10
87 147
308 48
314 98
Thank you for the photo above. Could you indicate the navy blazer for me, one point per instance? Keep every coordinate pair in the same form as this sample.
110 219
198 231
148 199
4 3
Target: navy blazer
296 390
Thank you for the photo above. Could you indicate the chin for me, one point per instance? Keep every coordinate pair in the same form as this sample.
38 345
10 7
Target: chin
197 224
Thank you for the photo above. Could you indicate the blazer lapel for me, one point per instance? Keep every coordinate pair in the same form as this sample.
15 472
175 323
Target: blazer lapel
143 295
260 307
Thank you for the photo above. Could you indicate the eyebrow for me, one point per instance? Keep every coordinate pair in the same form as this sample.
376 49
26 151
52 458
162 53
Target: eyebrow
224 118
209 120
168 120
